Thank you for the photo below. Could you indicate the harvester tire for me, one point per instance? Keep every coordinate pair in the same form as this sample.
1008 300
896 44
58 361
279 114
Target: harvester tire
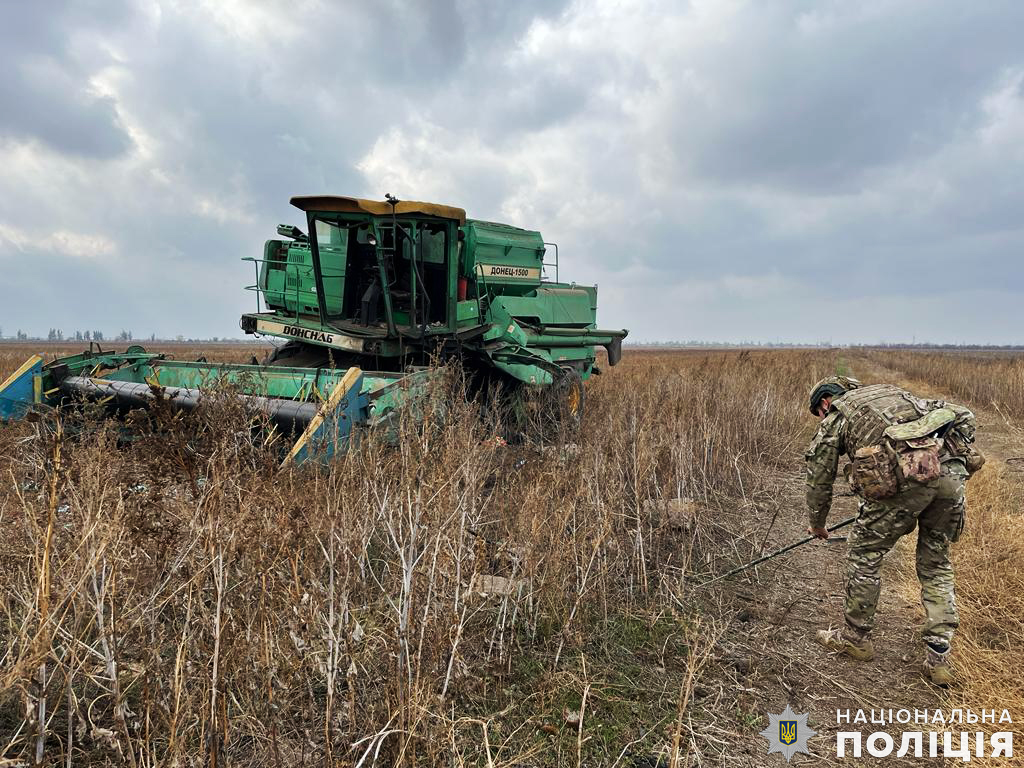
547 414
570 397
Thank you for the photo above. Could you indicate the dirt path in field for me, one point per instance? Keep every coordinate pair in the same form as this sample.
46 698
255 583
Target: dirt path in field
768 652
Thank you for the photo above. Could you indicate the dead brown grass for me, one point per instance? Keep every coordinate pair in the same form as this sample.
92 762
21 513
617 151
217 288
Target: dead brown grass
983 379
990 582
180 601
990 591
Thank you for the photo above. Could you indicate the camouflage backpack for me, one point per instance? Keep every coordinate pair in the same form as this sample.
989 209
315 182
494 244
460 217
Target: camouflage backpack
892 438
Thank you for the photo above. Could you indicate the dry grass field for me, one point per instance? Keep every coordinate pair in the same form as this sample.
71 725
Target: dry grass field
989 558
991 381
179 600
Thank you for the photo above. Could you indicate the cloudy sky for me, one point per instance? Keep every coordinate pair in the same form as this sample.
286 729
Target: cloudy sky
724 170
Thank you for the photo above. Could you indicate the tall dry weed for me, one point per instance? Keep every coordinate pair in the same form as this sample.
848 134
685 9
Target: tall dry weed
181 601
990 583
990 592
987 379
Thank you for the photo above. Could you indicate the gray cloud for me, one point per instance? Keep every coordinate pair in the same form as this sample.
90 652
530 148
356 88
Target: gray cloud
725 171
817 100
54 110
51 52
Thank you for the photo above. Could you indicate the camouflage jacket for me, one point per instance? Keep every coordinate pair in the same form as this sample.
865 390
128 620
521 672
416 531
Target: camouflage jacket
836 435
823 464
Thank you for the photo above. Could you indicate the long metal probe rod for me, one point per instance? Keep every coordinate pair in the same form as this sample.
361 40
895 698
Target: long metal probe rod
776 553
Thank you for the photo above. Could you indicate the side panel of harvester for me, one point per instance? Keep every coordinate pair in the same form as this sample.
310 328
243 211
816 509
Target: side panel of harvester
330 430
21 389
538 327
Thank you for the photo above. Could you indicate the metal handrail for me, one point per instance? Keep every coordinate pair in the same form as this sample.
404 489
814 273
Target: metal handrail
479 269
549 264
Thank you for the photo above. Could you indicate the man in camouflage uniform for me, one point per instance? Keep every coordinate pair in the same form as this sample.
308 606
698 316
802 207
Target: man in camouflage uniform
855 417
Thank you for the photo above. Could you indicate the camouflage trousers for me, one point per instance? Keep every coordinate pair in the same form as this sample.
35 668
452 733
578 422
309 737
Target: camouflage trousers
937 511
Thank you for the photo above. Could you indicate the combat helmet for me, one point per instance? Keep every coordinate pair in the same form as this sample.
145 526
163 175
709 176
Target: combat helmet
831 386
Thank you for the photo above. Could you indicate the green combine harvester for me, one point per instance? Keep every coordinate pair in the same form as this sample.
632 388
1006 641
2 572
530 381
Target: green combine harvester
366 302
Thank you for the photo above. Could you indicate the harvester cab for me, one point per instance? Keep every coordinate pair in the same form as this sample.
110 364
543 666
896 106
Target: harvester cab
365 299
373 279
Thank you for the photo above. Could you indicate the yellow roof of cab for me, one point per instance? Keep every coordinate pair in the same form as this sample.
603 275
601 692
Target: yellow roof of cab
337 204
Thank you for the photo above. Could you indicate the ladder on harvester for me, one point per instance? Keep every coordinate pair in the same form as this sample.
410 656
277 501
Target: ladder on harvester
387 246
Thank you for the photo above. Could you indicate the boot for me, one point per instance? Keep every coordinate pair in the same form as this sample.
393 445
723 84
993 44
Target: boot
840 641
936 663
